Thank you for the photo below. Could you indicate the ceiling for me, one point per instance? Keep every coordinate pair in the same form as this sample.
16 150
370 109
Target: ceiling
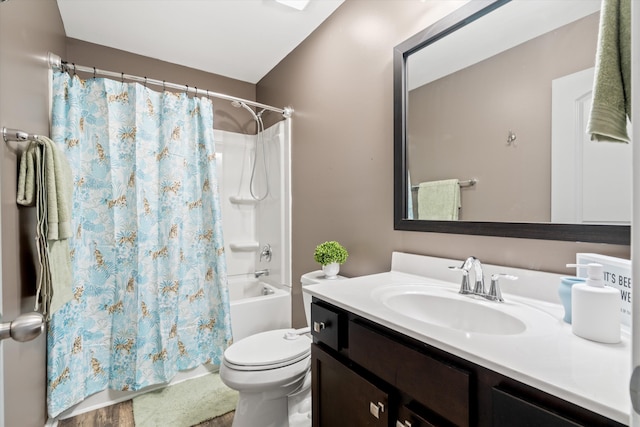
241 39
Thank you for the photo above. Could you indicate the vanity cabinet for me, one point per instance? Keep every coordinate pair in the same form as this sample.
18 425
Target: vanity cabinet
364 374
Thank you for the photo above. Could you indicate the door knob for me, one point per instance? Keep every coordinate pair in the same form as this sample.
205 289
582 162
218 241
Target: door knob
24 328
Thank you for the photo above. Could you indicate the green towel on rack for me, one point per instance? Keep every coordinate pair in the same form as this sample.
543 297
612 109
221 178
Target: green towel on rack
439 200
45 181
612 86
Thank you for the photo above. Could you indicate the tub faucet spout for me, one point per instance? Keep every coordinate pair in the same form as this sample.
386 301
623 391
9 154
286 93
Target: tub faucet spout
264 272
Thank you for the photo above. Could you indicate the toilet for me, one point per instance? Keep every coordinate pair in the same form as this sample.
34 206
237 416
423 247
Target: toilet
272 373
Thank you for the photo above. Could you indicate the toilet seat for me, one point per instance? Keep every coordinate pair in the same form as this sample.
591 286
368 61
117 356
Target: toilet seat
267 350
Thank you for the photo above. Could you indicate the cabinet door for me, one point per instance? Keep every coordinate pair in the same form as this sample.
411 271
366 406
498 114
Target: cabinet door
343 398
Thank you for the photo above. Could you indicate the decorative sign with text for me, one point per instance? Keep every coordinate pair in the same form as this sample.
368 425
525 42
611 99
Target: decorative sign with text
617 274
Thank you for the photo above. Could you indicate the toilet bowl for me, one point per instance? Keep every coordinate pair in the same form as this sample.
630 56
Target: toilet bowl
271 372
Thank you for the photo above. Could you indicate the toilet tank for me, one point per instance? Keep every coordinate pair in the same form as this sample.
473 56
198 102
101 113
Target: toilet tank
312 278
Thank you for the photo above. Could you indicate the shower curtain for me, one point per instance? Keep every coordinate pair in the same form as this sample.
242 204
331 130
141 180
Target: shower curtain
149 272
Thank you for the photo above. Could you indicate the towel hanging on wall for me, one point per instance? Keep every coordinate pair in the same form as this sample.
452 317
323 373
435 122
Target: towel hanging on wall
611 103
439 200
45 181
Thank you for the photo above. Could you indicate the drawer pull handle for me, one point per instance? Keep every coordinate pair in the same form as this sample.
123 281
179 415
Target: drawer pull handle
376 408
318 326
406 423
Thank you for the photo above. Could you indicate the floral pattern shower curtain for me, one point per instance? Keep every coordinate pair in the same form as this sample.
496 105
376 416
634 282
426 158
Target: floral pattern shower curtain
150 284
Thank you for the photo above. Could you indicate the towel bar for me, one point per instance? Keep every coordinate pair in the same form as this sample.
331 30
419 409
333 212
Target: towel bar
17 135
468 183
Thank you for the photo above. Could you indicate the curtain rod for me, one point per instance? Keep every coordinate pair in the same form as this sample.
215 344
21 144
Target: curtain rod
55 62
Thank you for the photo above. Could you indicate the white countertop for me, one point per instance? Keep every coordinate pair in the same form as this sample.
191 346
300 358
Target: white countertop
547 356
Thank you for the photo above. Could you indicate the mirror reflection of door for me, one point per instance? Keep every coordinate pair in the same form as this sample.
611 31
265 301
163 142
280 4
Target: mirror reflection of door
591 181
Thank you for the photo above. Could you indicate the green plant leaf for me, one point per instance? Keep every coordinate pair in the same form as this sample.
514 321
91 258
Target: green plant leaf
329 252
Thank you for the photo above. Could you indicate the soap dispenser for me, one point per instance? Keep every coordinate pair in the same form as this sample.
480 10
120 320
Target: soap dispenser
595 307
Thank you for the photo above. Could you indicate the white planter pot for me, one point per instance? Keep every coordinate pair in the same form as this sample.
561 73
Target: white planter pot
331 270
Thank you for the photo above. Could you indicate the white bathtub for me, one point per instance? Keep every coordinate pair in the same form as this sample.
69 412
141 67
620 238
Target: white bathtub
257 306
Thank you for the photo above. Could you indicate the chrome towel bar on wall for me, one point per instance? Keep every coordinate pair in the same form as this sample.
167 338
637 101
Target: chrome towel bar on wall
17 135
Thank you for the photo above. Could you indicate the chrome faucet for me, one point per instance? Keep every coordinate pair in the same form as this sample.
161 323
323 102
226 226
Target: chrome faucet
465 287
494 293
264 272
266 253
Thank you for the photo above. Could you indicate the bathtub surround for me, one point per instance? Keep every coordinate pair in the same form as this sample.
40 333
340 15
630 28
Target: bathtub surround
150 285
257 306
249 224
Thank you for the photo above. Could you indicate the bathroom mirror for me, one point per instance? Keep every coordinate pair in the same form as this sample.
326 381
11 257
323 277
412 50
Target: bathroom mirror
486 96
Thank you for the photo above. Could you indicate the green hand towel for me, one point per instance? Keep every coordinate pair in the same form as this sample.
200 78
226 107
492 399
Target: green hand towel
27 175
612 86
58 183
439 200
45 181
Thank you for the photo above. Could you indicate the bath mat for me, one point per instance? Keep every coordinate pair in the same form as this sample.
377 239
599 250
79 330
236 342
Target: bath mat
184 404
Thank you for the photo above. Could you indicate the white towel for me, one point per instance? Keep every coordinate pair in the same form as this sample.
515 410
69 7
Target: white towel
439 200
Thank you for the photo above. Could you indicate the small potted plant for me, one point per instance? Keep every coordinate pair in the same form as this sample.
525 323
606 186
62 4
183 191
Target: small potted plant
330 255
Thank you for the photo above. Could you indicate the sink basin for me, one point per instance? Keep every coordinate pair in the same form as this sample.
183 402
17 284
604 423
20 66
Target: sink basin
446 308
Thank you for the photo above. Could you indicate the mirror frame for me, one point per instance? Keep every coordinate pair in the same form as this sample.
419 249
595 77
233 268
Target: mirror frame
613 234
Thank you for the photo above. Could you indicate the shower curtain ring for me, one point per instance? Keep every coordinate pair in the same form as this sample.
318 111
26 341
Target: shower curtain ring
122 78
94 72
187 90
164 88
74 68
145 82
196 92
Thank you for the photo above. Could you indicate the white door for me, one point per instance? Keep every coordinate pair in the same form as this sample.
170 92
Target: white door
590 181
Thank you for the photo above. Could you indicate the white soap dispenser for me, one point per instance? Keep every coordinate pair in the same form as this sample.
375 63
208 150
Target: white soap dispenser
595 307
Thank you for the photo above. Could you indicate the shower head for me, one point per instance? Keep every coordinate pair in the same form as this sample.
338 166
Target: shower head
239 104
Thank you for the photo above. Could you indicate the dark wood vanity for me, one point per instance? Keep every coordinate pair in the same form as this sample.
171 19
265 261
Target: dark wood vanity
365 374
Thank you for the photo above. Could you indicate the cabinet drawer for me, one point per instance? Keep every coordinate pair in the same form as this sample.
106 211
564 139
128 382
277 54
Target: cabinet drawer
512 411
326 326
442 388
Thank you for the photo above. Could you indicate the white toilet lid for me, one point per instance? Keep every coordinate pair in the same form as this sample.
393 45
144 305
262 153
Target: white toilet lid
267 350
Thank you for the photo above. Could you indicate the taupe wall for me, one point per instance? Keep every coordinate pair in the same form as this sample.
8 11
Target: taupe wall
339 81
28 30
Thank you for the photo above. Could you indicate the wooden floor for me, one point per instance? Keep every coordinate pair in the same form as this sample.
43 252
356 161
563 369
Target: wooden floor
121 415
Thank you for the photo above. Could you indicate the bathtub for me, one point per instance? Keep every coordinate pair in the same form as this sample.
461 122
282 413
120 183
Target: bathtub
257 306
